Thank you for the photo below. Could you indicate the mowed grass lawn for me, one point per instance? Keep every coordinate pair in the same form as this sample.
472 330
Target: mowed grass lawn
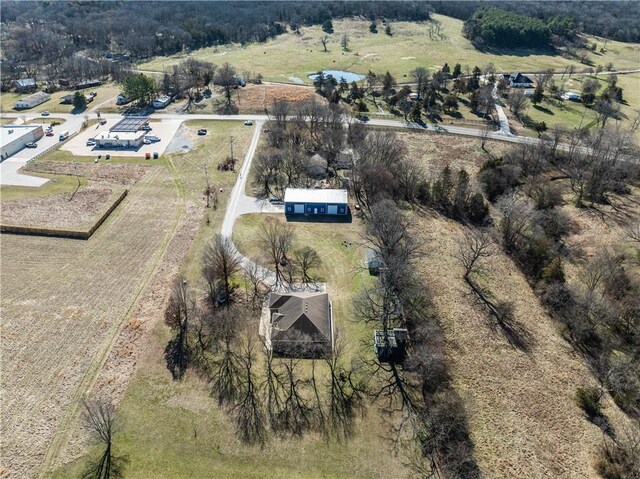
292 55
572 114
176 430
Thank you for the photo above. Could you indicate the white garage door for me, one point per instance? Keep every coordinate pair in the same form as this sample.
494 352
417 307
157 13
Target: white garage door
332 209
298 209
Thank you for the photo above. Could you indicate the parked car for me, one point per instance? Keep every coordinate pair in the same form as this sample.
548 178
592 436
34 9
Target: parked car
49 133
91 143
248 123
202 131
45 113
152 138
31 145
147 127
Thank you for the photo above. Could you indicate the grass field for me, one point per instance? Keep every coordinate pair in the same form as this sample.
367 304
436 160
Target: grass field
159 413
64 301
290 55
523 418
104 93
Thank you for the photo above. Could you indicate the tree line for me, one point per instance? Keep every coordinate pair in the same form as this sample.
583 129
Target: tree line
615 19
38 36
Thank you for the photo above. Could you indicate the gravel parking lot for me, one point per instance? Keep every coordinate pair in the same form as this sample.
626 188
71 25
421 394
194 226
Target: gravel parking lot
163 129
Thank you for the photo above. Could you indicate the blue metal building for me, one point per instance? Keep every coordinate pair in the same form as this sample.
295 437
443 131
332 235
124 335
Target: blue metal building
320 202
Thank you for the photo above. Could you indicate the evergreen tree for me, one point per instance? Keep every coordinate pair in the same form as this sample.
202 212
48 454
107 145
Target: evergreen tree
79 101
538 94
457 70
327 26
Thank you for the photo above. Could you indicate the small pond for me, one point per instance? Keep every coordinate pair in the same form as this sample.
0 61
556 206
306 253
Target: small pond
339 74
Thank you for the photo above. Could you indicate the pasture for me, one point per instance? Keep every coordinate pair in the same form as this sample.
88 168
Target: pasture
291 57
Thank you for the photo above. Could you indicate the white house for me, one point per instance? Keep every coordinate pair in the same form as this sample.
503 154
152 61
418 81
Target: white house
161 102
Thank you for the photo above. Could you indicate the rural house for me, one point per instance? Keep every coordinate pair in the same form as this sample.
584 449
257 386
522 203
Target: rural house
317 202
299 325
518 80
26 85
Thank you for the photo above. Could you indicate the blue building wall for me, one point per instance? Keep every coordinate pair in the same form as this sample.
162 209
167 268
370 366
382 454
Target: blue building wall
316 208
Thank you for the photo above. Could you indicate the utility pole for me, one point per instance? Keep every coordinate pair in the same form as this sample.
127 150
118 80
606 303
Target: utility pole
231 138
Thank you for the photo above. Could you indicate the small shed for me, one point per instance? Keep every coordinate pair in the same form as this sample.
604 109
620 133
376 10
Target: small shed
374 261
316 202
390 345
32 100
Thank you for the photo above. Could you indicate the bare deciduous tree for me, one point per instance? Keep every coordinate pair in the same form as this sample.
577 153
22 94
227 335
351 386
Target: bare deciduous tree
276 239
101 421
307 259
221 261
181 309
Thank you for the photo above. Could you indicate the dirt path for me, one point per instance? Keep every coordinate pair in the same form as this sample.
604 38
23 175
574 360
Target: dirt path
58 327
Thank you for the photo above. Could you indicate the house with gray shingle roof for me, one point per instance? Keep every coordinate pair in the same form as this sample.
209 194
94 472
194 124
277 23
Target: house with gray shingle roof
300 325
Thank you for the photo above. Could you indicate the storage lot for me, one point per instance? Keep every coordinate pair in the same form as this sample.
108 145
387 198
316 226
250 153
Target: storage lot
164 129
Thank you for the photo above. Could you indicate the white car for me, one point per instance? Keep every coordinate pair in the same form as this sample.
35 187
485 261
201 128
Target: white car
91 143
45 113
248 123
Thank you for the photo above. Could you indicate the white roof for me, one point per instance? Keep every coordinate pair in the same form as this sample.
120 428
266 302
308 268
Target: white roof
10 133
311 195
118 135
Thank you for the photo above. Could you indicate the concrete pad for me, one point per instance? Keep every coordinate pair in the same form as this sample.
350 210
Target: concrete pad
163 129
9 175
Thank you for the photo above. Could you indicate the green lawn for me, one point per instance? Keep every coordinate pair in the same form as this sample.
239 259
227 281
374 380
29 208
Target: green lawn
292 55
58 184
572 114
176 430
104 92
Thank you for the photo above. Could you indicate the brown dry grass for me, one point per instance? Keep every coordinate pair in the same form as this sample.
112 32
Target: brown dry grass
62 211
254 98
113 173
523 416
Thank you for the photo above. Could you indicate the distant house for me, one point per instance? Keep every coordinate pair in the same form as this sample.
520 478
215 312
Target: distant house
32 100
122 100
518 80
300 325
161 102
390 347
26 85
374 261
67 100
303 201
317 167
81 85
572 96
344 160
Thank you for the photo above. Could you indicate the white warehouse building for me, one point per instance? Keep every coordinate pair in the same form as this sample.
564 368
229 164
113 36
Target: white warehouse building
14 138
32 100
311 201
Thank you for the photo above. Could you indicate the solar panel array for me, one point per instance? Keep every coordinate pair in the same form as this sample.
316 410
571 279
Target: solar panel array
130 124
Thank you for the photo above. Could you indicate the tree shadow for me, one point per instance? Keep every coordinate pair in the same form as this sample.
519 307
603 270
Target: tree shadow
543 109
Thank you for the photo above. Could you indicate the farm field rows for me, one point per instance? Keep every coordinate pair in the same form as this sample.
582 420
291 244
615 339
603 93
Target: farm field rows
64 301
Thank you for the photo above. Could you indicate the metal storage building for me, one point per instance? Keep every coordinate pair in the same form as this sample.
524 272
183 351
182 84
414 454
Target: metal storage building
32 100
303 201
